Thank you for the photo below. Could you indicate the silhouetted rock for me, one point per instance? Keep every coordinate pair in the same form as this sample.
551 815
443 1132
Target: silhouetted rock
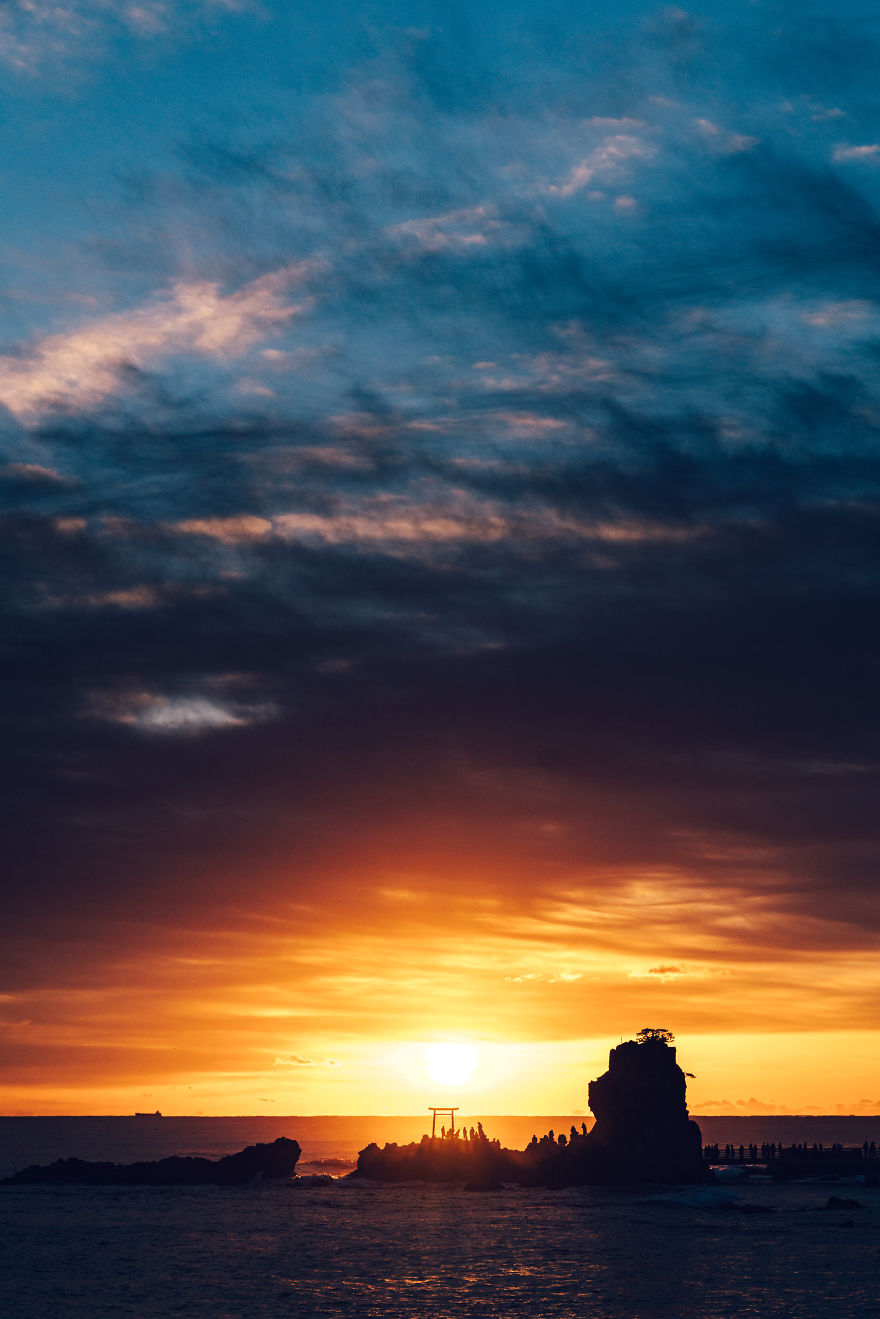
271 1161
478 1162
642 1130
642 1134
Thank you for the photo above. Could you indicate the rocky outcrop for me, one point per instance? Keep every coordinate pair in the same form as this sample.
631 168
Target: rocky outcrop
642 1130
642 1134
271 1161
481 1163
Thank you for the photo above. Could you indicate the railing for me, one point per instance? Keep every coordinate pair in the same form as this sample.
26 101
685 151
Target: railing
804 1160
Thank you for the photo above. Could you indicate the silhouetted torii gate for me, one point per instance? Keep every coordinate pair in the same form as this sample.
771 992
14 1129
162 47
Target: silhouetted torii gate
451 1111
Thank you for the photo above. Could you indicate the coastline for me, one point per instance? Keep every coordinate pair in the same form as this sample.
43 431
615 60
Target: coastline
41 1139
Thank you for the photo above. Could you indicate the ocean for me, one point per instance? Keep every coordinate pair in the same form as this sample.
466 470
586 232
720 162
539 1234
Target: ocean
310 1251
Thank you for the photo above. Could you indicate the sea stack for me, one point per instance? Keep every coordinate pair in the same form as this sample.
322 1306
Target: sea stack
643 1132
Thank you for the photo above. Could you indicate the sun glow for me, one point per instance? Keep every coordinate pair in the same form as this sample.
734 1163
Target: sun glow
451 1064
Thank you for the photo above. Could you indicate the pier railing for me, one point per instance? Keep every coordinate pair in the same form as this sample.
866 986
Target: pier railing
803 1160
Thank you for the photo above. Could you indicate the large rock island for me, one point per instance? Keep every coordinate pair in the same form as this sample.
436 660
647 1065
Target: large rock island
642 1133
642 1130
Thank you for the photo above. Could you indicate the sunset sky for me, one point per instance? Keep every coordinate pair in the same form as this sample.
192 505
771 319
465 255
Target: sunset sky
441 592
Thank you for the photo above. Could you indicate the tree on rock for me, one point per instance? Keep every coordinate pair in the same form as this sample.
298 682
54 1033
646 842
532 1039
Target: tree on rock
652 1034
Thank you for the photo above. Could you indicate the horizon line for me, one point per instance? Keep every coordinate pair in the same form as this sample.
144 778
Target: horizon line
388 1117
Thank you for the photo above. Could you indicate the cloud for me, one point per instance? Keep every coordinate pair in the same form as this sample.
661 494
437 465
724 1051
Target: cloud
132 597
25 25
603 164
853 312
868 152
536 977
395 523
727 143
35 34
175 716
178 714
294 1060
31 473
229 530
135 597
459 230
73 370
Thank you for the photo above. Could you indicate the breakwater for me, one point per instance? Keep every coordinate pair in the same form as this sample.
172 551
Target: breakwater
806 1159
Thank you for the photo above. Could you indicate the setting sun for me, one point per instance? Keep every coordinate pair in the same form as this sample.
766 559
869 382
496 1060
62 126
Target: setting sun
451 1064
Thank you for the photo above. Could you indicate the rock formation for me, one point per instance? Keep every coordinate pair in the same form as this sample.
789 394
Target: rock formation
642 1134
480 1163
272 1161
642 1130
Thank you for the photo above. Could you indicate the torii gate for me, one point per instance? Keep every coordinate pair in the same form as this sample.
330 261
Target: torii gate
451 1111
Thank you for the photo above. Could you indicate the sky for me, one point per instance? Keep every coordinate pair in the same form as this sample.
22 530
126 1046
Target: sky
441 592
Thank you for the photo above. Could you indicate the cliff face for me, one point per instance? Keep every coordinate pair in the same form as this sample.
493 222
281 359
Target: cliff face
642 1130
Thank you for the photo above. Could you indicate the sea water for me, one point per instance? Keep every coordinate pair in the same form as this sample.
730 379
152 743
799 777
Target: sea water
425 1252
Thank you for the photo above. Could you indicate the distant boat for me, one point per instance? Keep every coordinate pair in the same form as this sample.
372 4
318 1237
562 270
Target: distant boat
156 1114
